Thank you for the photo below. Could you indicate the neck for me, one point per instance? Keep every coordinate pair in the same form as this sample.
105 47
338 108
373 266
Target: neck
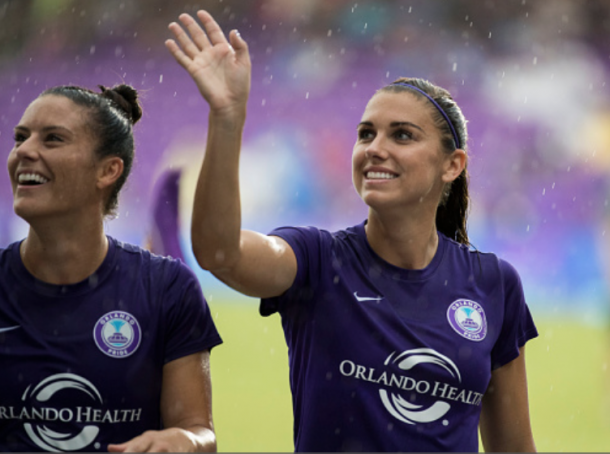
404 240
62 253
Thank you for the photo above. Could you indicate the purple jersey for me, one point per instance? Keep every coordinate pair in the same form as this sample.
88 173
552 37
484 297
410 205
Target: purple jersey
82 364
388 359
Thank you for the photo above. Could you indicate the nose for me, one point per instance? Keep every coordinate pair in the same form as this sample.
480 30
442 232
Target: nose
376 148
27 149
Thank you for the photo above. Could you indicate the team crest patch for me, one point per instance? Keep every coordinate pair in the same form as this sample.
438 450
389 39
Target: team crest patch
468 319
117 334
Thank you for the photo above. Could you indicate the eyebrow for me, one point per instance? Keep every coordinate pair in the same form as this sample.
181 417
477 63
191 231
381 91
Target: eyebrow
394 124
45 129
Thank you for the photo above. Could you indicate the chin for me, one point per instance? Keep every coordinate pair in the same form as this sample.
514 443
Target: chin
29 213
377 201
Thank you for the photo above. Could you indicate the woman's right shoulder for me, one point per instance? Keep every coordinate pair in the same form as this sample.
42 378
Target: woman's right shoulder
314 237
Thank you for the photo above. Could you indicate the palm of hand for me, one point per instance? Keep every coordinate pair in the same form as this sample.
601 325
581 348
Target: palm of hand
220 70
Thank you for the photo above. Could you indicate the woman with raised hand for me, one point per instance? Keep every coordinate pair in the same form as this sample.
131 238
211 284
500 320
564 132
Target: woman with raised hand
103 345
400 337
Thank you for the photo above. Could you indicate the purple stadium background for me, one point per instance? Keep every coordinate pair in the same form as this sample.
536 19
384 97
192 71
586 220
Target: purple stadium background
532 80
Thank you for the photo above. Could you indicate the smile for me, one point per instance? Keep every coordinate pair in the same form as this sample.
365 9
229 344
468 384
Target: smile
31 179
380 176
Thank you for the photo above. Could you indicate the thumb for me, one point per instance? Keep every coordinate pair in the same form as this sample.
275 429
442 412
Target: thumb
116 448
239 45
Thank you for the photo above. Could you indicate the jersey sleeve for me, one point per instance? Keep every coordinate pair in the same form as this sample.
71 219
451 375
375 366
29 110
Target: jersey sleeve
307 244
518 325
189 327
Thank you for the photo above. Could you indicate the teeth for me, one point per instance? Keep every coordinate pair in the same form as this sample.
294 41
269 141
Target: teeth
32 177
380 175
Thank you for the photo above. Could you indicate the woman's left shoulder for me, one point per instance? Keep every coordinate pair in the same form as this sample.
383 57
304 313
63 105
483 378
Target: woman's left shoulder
485 264
158 266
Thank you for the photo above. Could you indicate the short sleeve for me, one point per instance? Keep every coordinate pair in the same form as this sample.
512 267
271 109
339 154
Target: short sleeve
189 327
518 325
307 244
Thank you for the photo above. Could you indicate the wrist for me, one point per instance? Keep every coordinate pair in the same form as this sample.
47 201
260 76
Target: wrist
230 118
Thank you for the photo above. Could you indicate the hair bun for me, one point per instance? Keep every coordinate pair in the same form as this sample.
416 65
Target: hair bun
126 98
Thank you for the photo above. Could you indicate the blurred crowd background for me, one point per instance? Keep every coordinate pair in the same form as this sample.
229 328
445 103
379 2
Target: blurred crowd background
531 76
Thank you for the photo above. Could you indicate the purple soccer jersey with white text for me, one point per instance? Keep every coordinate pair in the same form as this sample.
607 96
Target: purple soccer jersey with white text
387 359
82 364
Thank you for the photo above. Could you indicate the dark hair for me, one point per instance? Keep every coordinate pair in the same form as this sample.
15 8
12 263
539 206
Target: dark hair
452 212
114 111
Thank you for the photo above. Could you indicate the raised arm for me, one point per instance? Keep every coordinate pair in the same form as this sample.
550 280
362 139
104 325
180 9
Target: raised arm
251 263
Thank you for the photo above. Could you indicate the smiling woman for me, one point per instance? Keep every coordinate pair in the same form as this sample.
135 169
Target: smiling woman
102 344
400 337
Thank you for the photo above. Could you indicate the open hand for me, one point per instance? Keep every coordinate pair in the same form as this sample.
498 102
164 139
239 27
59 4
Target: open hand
220 67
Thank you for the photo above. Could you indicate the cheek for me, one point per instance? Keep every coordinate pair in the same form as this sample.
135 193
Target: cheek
11 162
357 157
356 163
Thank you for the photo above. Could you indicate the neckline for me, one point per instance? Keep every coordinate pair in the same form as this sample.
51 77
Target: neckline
399 273
53 290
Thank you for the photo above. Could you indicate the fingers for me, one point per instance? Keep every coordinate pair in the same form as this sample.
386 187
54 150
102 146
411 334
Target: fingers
180 56
199 39
137 444
184 41
213 30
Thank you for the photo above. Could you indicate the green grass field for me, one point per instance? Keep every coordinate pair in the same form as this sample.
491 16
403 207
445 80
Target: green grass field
567 373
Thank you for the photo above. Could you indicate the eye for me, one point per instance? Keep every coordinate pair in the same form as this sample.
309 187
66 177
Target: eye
53 138
403 134
19 137
366 134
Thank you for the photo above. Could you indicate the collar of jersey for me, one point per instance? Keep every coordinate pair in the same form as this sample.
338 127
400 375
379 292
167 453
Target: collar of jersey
396 272
52 290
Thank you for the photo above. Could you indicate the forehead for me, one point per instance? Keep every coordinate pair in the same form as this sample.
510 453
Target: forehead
402 106
53 110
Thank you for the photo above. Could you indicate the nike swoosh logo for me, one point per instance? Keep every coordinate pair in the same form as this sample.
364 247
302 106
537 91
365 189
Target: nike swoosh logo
367 298
10 328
